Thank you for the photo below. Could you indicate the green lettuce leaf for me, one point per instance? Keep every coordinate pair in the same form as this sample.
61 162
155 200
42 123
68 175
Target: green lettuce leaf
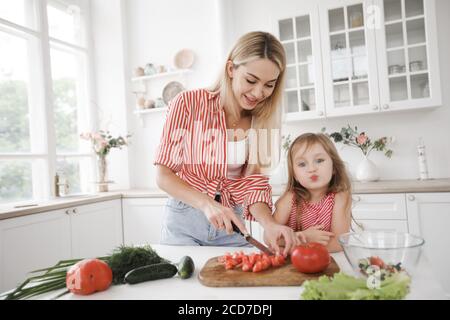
345 287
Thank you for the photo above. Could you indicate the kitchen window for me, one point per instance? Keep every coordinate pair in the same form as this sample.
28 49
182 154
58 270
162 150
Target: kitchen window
45 97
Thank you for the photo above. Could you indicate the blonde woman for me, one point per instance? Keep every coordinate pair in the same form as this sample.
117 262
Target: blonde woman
216 147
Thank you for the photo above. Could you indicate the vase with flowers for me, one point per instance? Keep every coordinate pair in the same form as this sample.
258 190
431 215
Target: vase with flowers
102 143
367 170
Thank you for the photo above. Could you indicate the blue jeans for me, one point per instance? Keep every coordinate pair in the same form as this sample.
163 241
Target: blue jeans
184 225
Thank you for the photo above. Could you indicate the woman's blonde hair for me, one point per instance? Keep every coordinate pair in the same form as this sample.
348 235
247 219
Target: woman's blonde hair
340 180
267 115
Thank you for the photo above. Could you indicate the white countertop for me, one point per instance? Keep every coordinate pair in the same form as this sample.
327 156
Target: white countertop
423 286
382 186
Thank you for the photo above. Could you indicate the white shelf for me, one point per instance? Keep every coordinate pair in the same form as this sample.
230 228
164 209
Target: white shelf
162 75
152 110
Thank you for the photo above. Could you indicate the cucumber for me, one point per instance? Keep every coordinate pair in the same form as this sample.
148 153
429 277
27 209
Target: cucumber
151 272
186 267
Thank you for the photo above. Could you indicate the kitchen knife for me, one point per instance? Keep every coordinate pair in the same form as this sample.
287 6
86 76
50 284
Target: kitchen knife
247 237
252 240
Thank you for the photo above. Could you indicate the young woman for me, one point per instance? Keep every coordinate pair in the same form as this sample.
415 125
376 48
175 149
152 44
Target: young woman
213 156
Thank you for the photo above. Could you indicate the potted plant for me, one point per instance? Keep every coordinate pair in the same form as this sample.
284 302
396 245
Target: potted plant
367 170
102 143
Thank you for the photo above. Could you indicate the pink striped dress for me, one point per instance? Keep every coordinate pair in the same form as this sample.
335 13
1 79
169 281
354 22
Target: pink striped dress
311 214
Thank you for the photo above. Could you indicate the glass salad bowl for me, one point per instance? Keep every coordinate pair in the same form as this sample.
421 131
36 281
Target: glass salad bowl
384 252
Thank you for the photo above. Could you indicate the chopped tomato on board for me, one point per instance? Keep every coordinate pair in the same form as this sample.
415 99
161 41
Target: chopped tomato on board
257 267
254 262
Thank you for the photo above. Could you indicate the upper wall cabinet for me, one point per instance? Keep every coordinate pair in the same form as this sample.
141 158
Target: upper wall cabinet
348 57
354 56
303 94
407 51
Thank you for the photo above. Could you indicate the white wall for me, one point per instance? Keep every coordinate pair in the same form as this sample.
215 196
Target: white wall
112 85
156 30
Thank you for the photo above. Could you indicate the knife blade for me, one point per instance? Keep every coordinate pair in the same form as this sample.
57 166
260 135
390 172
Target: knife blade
258 244
252 240
247 237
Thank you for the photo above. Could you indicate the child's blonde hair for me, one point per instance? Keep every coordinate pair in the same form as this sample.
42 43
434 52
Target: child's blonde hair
340 180
267 115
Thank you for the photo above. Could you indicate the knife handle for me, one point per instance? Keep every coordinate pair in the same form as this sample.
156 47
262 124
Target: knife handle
235 228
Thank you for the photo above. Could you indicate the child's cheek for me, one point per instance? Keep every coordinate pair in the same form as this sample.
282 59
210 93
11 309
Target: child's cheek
301 176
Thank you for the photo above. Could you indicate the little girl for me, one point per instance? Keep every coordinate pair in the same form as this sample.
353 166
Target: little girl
317 200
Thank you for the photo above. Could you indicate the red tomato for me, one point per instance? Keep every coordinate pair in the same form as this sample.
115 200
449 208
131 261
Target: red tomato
310 258
274 261
229 264
89 276
377 262
237 257
257 267
253 258
266 263
280 259
247 267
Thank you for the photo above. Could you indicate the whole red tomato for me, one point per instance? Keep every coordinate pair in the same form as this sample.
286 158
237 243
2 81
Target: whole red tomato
89 276
310 258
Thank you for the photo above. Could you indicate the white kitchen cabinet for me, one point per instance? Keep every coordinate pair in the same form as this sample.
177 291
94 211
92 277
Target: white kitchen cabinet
30 243
407 52
41 240
385 225
359 57
380 206
379 212
303 94
96 228
348 57
142 220
429 217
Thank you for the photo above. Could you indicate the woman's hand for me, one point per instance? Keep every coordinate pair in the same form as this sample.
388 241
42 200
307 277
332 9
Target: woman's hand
220 216
274 234
315 234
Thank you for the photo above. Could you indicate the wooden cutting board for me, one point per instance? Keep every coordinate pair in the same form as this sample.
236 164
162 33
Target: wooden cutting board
214 274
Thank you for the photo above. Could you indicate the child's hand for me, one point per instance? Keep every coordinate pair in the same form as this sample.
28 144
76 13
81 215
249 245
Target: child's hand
274 232
315 234
301 236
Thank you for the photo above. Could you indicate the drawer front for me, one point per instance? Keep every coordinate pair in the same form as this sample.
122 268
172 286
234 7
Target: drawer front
379 206
385 225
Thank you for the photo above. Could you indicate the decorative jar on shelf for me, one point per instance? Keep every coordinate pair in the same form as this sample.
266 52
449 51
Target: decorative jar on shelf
150 69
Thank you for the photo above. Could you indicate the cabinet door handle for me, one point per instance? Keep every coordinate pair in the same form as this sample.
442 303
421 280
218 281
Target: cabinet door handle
356 198
67 211
320 113
411 198
375 107
385 106
74 210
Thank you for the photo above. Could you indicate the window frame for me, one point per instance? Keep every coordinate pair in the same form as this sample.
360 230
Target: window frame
43 154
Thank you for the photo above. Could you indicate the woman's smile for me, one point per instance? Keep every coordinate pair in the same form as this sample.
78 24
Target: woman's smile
251 102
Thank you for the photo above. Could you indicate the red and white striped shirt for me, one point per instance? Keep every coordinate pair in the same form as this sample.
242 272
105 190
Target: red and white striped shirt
194 146
311 214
